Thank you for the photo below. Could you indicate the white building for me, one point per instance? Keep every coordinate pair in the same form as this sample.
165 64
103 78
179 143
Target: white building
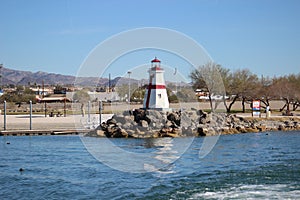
103 96
156 94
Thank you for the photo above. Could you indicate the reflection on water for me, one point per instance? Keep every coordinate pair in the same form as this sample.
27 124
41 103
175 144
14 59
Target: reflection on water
165 154
127 155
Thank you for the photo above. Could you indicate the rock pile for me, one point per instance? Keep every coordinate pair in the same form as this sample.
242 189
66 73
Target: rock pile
152 123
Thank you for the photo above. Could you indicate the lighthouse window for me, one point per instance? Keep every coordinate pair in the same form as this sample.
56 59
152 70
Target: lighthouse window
159 95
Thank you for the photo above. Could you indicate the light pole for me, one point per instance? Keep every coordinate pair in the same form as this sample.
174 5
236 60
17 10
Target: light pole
4 115
175 72
1 66
30 115
129 72
100 111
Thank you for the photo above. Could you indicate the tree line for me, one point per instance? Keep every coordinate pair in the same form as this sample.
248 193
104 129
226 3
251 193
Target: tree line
245 86
18 95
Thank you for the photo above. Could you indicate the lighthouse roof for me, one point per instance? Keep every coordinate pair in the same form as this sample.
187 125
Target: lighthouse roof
155 60
156 68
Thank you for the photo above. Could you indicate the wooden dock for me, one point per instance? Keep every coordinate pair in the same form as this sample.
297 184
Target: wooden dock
42 132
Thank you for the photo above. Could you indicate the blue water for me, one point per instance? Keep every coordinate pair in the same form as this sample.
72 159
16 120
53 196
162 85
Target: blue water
243 166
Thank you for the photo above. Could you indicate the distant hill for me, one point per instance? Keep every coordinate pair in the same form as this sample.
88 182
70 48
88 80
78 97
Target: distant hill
17 77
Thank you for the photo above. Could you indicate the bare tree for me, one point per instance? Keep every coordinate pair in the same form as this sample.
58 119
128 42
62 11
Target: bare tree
287 89
245 86
232 93
208 76
265 94
296 82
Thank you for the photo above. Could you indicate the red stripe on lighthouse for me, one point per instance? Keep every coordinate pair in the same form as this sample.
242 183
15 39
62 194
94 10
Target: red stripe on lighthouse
156 87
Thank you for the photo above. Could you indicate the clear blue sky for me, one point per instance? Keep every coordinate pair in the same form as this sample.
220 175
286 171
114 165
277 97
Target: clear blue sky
57 35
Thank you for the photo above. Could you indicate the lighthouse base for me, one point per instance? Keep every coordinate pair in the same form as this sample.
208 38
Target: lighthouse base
159 109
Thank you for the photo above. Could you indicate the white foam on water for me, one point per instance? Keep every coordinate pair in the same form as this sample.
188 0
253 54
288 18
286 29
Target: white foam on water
274 191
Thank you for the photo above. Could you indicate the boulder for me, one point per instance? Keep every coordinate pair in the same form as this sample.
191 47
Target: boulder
262 127
202 131
152 123
289 124
174 117
202 120
154 113
129 119
251 130
119 119
168 123
111 128
138 131
143 123
185 120
234 119
127 113
174 125
119 124
119 133
111 121
226 130
203 117
130 133
103 126
211 131
241 129
127 126
233 130
153 119
173 135
281 127
296 125
101 133
187 131
201 113
139 114
192 115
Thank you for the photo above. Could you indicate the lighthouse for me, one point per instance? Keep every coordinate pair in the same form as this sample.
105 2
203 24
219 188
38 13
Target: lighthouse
156 94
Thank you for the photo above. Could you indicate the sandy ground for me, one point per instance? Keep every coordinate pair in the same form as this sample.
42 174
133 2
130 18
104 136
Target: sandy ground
116 107
40 122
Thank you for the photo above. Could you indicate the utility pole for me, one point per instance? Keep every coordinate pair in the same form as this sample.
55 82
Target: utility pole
129 72
109 83
100 111
4 115
30 115
45 104
65 107
1 66
89 112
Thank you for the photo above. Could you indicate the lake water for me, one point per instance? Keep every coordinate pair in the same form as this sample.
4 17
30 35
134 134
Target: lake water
242 166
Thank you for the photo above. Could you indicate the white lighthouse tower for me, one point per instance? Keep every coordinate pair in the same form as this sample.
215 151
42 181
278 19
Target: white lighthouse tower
156 94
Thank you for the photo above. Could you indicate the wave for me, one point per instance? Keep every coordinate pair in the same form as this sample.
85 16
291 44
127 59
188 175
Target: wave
272 191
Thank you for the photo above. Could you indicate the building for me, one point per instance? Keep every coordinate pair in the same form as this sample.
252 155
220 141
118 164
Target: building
156 94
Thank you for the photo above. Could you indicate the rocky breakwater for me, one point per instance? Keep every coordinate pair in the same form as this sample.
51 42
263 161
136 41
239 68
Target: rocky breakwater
152 124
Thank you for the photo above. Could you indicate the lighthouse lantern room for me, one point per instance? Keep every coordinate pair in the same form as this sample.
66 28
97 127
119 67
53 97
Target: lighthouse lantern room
156 94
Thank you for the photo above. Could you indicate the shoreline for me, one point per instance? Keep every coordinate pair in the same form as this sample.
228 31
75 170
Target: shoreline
155 124
74 124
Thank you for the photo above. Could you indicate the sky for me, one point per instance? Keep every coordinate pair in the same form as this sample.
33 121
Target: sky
58 35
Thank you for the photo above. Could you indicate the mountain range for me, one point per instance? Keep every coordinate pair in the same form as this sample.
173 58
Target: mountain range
17 77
